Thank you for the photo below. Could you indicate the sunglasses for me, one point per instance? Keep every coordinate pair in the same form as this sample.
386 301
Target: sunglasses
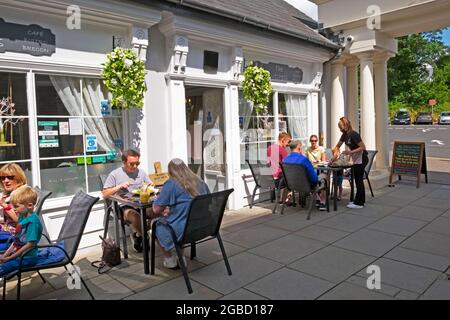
312 140
2 178
136 164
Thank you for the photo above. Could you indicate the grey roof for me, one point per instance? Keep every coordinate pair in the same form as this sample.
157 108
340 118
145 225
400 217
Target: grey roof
275 15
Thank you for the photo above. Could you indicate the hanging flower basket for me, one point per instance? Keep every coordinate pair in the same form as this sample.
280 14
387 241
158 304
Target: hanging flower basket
124 76
257 87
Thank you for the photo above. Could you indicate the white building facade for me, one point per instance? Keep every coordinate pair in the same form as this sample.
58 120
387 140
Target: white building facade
194 109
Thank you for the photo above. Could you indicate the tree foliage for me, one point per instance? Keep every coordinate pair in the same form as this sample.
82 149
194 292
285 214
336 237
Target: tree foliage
408 78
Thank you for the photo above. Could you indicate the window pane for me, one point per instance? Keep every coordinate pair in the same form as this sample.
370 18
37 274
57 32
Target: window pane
293 115
58 95
256 131
106 133
15 85
95 170
60 137
63 177
17 141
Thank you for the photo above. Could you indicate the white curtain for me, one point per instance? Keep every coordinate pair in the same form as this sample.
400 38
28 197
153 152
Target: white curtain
297 114
245 112
68 89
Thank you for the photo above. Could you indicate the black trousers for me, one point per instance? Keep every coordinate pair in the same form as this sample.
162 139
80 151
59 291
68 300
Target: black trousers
358 169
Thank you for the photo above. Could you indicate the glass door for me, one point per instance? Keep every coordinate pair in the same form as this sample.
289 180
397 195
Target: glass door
206 135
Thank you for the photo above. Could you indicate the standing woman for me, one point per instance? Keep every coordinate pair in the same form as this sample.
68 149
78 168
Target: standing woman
357 150
11 178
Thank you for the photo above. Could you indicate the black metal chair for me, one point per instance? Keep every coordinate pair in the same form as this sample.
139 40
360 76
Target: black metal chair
71 233
371 155
296 179
262 175
42 196
109 212
203 223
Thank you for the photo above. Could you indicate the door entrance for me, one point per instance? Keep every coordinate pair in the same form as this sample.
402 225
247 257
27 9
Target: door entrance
206 135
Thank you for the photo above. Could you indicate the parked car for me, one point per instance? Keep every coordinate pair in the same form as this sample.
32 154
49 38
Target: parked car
424 118
444 118
402 117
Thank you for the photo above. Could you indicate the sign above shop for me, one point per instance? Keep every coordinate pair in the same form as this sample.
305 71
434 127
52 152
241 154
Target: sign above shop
282 72
31 39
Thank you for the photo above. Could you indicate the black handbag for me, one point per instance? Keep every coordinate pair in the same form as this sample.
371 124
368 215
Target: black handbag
110 256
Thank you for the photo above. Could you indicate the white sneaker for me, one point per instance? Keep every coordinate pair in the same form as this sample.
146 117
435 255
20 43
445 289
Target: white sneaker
354 206
171 262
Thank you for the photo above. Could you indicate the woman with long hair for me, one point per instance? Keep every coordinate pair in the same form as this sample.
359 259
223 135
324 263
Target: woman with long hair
357 150
11 178
172 205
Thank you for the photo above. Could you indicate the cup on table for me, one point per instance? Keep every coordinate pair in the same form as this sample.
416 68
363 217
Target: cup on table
144 195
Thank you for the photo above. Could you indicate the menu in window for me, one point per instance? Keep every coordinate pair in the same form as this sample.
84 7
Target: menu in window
75 127
48 134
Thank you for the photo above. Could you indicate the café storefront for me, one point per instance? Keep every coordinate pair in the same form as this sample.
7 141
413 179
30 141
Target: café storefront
65 134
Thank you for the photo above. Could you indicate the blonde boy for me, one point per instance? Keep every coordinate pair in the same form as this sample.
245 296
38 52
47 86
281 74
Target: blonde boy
28 232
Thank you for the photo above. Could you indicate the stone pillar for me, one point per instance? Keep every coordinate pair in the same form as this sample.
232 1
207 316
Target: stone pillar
337 100
367 110
177 116
352 92
381 111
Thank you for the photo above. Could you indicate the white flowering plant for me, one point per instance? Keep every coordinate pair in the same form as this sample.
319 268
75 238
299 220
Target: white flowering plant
257 87
124 76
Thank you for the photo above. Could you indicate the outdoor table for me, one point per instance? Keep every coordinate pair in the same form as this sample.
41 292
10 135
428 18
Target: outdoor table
131 200
334 169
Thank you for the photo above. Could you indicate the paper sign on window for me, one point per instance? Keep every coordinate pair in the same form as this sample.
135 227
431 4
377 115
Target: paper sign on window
91 143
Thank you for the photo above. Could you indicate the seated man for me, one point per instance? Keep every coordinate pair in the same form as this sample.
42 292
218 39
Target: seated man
128 177
296 157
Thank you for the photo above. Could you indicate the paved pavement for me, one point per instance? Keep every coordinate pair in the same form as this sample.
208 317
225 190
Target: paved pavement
403 230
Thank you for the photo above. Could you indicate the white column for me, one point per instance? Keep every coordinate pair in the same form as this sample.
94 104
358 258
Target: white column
233 151
352 93
337 100
314 129
367 111
381 111
177 116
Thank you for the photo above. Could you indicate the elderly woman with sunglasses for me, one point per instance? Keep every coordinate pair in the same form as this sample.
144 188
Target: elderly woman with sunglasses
314 152
11 178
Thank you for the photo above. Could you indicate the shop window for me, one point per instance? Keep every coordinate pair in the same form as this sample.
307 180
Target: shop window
14 126
80 136
293 116
256 132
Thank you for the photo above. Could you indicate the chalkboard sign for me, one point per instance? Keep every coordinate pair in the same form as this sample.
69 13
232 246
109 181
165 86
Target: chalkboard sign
280 72
408 159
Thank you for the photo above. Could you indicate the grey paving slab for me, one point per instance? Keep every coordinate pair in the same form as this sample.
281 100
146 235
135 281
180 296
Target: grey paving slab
370 242
390 201
446 214
429 242
209 251
347 291
102 288
398 225
248 222
362 282
409 193
332 264
440 290
405 276
32 287
375 210
246 268
288 248
287 284
243 294
347 222
254 236
407 295
322 233
440 225
419 258
175 289
419 213
440 194
432 203
294 222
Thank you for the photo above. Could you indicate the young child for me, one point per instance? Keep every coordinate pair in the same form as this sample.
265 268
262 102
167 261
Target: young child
28 232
